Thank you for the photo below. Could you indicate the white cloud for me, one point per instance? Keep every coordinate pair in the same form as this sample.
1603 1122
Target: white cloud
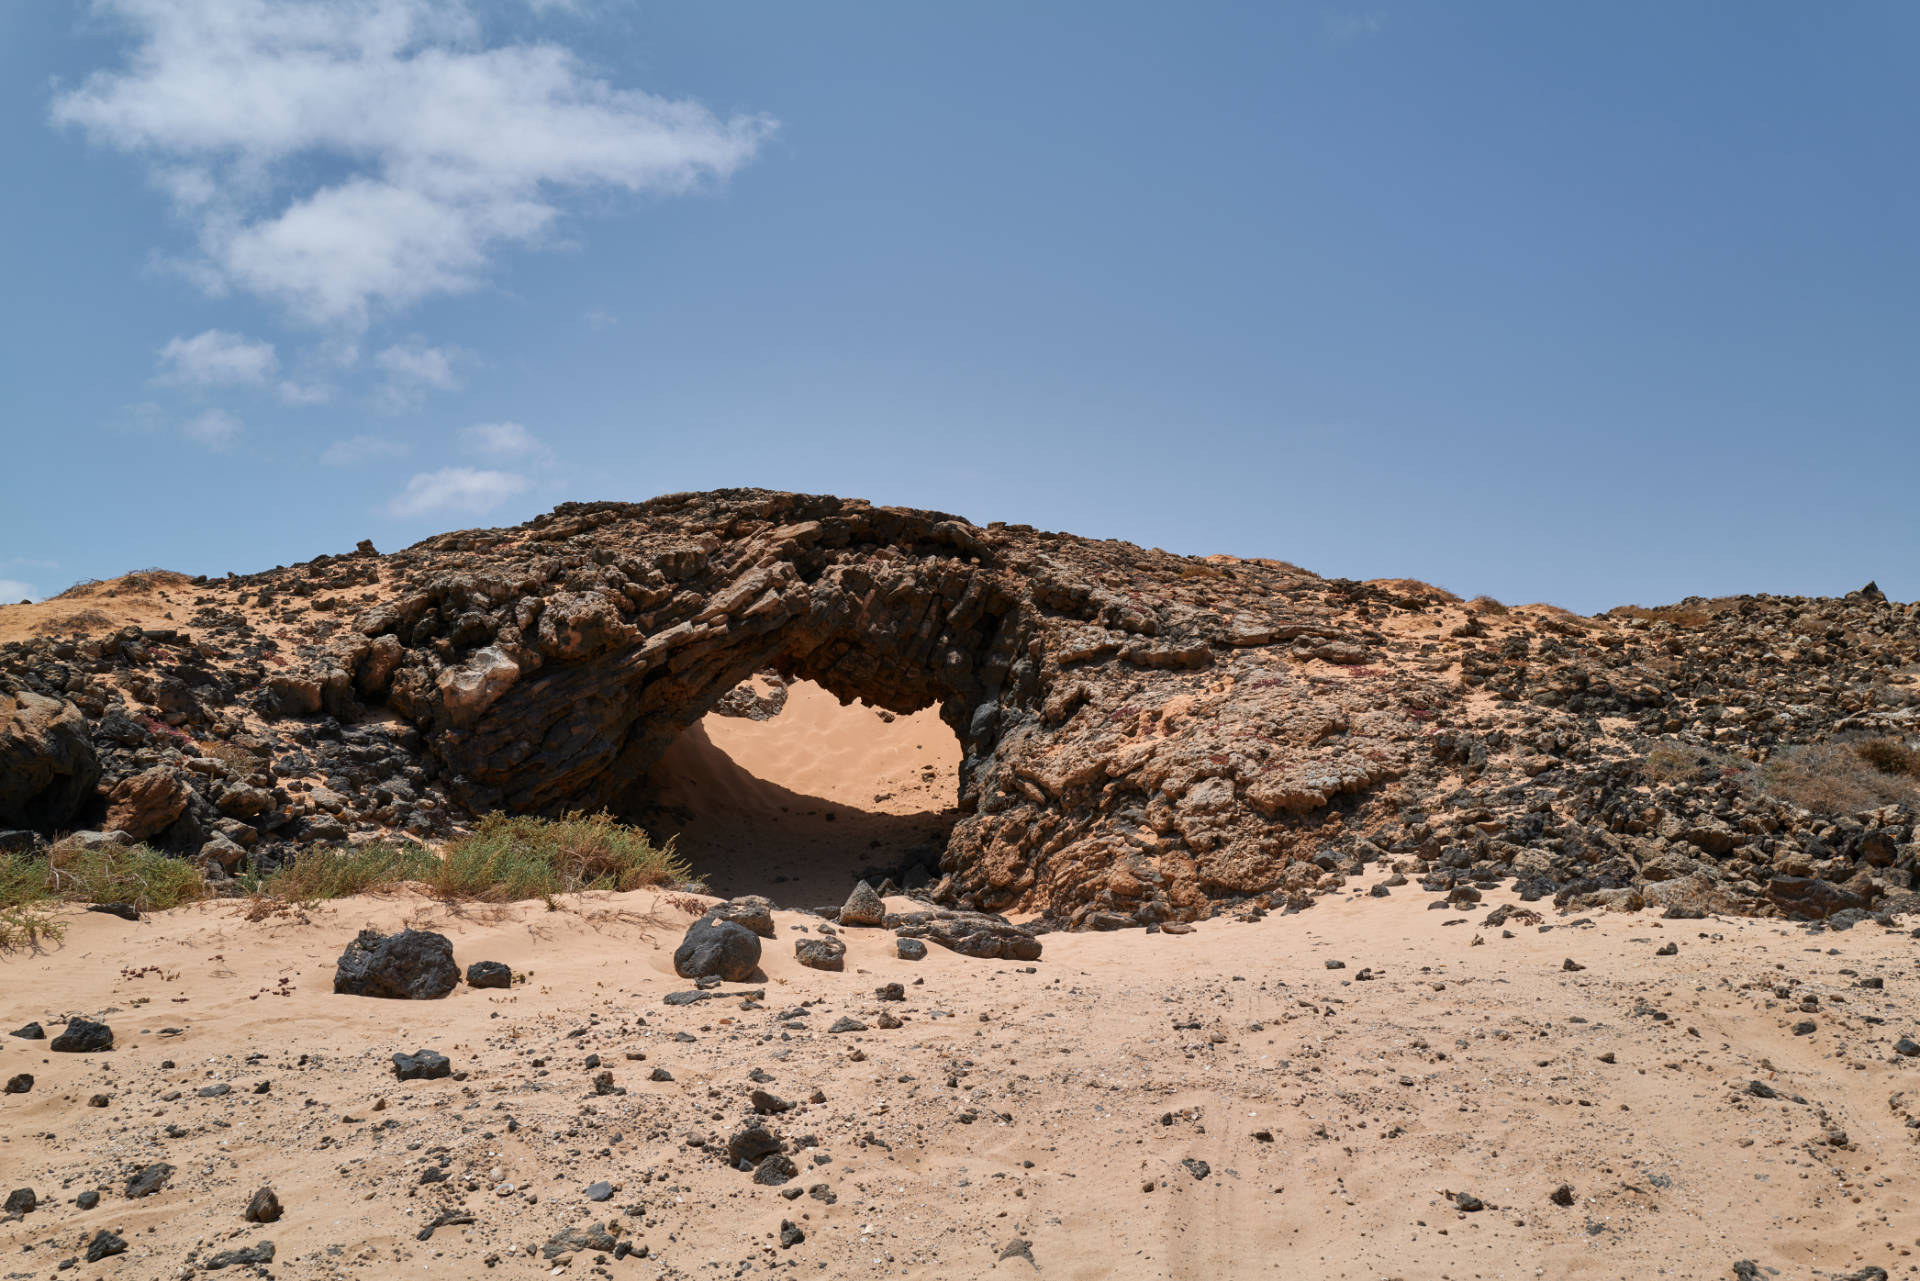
346 157
601 318
216 429
293 392
412 369
503 440
217 358
13 591
456 489
357 450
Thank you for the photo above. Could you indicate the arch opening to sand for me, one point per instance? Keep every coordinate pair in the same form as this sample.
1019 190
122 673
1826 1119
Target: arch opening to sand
781 790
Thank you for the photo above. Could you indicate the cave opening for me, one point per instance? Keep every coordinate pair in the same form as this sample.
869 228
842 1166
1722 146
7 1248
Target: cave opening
782 790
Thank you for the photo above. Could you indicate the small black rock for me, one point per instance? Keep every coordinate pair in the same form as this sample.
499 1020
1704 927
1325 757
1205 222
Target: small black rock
264 1208
489 974
22 1201
104 1245
31 1032
83 1036
421 1065
149 1180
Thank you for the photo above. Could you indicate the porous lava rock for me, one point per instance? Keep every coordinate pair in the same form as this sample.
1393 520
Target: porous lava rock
715 948
1146 737
413 965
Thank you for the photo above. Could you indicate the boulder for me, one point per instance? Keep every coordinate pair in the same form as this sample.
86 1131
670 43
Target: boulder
141 804
421 1065
489 974
717 948
83 1036
413 965
821 954
47 764
864 907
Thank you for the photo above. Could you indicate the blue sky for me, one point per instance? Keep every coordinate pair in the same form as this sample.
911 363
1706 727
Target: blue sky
1594 304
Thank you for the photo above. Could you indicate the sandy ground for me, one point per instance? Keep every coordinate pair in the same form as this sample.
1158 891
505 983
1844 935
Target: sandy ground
1059 1105
795 806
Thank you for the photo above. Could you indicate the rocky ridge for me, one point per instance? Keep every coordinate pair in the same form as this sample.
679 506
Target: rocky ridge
1148 737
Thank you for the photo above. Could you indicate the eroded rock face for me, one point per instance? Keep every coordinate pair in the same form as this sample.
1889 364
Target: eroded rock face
1145 735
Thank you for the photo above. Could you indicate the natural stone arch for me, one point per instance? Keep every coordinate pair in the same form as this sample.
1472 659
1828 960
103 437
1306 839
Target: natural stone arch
575 717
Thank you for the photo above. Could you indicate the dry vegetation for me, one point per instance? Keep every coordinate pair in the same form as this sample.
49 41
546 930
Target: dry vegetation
503 860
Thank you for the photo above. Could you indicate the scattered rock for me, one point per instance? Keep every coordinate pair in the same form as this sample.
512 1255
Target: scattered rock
717 948
421 1065
83 1036
910 949
264 1208
148 1180
489 974
820 953
104 1245
864 907
413 965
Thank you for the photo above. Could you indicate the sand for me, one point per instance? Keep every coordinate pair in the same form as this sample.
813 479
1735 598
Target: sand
1335 1110
794 807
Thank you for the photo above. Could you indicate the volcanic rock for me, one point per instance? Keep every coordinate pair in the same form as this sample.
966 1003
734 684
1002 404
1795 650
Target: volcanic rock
413 965
713 947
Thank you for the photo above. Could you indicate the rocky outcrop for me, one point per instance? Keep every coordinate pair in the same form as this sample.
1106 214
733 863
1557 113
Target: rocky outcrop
1146 736
47 764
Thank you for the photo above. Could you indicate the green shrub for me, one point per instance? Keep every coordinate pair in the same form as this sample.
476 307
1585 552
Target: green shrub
506 859
138 874
360 869
32 886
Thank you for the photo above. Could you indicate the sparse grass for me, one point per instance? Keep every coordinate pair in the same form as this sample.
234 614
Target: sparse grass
1834 778
1485 605
32 887
372 868
506 859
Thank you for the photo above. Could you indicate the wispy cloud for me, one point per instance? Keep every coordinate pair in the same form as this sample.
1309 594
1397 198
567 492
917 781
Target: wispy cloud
13 591
217 358
601 318
504 441
344 158
216 429
356 451
412 369
456 489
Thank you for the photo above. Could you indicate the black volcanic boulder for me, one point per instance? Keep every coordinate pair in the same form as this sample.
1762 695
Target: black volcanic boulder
47 764
716 948
489 974
421 1065
413 965
83 1036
